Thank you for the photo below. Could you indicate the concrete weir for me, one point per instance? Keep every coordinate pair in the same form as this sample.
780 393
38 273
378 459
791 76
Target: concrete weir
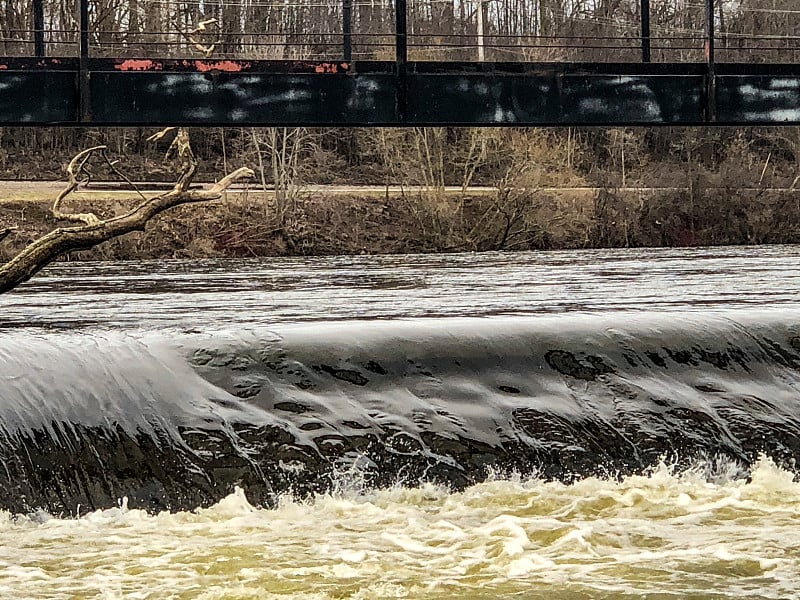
178 423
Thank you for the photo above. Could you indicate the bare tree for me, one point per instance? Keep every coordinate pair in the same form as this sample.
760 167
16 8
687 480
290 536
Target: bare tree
93 230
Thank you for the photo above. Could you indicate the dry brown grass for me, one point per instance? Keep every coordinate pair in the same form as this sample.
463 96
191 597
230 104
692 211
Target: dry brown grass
243 224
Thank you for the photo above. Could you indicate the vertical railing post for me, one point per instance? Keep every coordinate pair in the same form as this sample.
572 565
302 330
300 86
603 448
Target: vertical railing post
83 82
481 46
38 28
645 31
347 29
401 57
711 76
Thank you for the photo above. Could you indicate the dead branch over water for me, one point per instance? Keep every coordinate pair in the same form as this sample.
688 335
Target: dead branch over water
94 230
6 231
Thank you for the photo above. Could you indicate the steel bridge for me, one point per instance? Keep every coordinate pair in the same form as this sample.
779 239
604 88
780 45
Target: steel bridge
85 89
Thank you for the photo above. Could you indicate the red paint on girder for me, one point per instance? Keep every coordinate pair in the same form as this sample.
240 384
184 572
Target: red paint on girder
227 66
139 65
331 67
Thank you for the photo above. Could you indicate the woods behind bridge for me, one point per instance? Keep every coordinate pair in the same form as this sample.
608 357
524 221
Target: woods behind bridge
492 30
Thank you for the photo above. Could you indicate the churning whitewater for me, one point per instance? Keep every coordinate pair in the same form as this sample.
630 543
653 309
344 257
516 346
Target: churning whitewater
571 424
701 534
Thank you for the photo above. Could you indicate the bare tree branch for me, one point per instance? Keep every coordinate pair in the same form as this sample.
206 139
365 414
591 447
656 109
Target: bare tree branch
160 134
6 231
182 148
201 28
76 167
67 239
112 164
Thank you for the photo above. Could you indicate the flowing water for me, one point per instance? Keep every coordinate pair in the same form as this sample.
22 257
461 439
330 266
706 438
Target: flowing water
605 424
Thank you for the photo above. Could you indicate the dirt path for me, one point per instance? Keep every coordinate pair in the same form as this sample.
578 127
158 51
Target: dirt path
15 191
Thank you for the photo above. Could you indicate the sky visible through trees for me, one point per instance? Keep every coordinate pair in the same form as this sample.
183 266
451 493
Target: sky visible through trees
508 30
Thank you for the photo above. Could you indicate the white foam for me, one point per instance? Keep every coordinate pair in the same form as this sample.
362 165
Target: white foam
678 534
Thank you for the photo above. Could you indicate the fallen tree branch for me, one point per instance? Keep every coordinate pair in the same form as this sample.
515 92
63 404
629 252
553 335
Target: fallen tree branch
68 239
112 164
76 167
6 231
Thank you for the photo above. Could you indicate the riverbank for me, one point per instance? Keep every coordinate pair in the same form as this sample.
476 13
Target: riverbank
374 220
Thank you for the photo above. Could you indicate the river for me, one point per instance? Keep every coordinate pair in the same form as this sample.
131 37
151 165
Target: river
579 424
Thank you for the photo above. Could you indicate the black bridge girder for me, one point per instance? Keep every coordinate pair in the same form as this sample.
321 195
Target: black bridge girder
39 91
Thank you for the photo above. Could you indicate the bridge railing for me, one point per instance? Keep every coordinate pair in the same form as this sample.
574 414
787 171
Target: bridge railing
437 30
399 62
